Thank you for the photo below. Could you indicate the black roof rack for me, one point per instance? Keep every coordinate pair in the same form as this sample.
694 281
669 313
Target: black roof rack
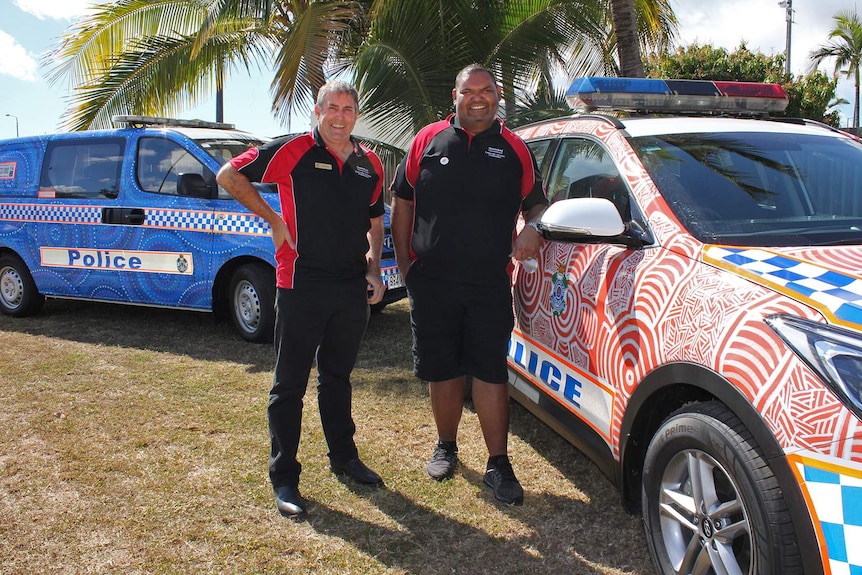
807 122
143 121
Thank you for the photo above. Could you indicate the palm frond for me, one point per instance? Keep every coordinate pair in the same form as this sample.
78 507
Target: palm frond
92 42
309 41
144 79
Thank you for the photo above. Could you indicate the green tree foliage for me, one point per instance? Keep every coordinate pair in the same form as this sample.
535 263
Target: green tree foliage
810 96
159 56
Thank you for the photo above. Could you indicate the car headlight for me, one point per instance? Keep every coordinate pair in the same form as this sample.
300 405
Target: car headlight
835 354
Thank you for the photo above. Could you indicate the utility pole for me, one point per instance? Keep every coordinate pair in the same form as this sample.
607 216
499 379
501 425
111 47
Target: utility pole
788 16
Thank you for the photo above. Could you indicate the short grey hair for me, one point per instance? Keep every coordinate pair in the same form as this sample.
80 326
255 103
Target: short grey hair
337 87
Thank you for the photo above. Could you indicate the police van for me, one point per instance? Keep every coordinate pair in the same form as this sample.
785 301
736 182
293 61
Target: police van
134 215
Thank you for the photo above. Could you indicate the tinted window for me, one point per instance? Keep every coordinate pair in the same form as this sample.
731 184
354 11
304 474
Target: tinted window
86 168
223 149
540 149
583 169
760 188
162 161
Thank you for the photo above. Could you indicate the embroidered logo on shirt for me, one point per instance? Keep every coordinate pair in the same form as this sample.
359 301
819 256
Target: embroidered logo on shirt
363 172
496 153
322 166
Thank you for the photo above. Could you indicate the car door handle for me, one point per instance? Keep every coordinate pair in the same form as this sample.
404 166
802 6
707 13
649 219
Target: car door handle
127 216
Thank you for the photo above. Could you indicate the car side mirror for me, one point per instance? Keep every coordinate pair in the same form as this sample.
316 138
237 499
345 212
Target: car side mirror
586 221
583 216
194 185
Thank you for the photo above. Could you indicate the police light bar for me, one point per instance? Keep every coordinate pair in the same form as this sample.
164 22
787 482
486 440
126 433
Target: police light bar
144 121
668 96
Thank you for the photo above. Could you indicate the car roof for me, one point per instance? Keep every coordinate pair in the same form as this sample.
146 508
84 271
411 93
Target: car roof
651 126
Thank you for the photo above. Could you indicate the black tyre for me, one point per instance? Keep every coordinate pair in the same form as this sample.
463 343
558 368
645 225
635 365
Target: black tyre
252 302
18 294
711 503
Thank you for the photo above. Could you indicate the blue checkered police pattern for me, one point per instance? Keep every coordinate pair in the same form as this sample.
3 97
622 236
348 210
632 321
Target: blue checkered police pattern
218 222
836 294
51 213
178 220
235 223
837 499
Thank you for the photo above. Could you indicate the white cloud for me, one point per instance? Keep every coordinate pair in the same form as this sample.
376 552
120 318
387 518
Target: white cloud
54 9
16 62
761 24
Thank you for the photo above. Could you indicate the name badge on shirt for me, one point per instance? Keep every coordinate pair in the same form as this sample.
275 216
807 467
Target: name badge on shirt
322 166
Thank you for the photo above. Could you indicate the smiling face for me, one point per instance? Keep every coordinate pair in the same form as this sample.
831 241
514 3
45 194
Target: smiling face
477 99
336 117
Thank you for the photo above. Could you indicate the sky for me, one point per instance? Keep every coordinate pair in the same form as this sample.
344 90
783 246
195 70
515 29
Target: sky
33 106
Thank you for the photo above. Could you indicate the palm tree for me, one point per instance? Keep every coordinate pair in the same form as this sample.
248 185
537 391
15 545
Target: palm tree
407 79
626 33
157 57
845 46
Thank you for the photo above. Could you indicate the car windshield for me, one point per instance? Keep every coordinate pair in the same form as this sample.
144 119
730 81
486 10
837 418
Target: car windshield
223 149
760 189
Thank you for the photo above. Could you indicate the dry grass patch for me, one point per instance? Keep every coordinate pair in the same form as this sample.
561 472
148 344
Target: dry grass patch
134 441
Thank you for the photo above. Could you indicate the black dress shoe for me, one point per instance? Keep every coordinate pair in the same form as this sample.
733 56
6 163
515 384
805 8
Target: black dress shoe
357 471
289 502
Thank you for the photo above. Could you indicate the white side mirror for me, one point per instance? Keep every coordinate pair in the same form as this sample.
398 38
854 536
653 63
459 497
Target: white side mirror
586 216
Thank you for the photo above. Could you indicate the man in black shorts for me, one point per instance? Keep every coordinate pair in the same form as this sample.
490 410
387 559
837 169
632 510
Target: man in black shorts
457 197
328 239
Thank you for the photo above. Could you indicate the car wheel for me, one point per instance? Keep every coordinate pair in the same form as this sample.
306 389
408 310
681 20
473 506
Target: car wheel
18 294
252 302
711 503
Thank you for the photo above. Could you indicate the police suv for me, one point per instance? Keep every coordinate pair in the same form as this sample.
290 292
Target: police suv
134 215
695 321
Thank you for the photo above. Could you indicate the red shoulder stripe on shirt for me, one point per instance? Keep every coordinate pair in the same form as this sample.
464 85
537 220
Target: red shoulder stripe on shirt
378 167
528 177
417 149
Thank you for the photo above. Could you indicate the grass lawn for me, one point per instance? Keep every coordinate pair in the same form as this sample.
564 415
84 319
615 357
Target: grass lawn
134 440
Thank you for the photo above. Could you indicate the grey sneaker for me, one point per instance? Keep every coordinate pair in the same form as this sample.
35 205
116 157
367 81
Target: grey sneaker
500 477
444 461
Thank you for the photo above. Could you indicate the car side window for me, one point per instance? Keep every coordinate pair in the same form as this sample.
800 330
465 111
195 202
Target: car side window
583 169
162 161
540 149
85 168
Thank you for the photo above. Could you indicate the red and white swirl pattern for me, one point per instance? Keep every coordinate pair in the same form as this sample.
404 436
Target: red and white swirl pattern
628 312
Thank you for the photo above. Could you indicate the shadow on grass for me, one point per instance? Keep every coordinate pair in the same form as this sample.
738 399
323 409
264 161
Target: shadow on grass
194 334
562 538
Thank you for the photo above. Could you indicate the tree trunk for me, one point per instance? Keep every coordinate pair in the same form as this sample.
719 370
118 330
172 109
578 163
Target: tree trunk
856 103
626 32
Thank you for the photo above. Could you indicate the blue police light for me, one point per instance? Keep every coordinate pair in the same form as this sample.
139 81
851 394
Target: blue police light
675 96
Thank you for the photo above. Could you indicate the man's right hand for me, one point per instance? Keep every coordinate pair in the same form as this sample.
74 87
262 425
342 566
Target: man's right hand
280 234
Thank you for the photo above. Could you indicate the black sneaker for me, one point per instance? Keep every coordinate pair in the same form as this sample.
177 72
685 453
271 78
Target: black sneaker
500 477
444 461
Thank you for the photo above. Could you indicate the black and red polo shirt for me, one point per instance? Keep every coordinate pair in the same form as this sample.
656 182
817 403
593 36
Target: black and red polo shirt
327 205
467 192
